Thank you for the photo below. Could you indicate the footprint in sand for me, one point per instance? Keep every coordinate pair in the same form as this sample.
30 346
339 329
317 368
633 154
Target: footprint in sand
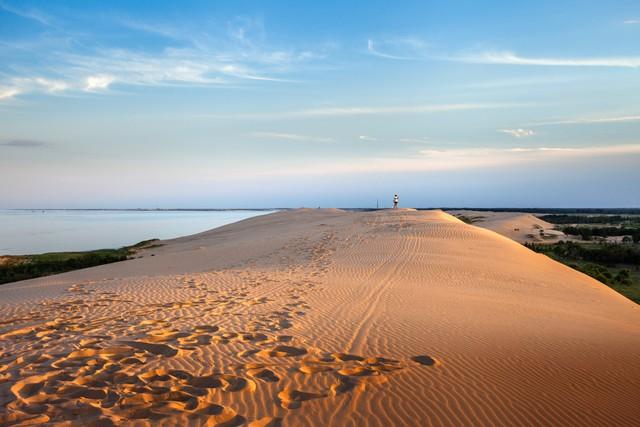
314 366
267 422
342 385
282 351
425 360
264 375
248 352
157 349
292 399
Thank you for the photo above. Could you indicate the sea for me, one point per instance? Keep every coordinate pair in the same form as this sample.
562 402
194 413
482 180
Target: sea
25 232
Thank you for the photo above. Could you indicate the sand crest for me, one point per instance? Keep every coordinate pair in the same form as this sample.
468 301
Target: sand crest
322 317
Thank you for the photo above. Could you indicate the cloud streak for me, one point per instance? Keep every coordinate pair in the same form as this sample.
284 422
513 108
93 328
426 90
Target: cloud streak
518 133
9 92
510 58
404 49
393 110
415 140
367 138
201 61
467 158
289 137
592 120
389 110
23 143
31 14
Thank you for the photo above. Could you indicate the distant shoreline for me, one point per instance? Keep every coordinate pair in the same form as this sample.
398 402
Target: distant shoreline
628 211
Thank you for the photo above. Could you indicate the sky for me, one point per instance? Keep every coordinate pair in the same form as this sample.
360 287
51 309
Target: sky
247 104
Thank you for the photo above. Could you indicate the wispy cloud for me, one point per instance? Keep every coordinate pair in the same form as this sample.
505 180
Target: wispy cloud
367 138
199 59
290 137
510 58
632 21
466 158
94 83
155 28
521 81
518 133
403 48
9 92
415 140
488 157
591 120
31 13
173 67
397 109
23 143
362 111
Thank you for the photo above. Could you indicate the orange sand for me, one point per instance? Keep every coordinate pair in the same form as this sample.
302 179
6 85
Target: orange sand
519 226
323 317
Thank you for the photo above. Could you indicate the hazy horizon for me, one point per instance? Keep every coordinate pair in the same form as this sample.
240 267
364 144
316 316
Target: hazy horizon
248 105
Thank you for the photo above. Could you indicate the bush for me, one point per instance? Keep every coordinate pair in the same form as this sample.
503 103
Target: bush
623 278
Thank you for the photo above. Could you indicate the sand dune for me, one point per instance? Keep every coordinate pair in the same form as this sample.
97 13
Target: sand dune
519 226
322 317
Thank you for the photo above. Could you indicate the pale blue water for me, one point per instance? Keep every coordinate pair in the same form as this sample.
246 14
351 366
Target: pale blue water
32 232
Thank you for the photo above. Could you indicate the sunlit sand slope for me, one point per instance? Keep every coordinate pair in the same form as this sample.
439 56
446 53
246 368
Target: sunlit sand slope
323 317
519 226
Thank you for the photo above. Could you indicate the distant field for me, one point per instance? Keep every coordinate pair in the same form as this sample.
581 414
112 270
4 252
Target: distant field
615 263
587 211
23 267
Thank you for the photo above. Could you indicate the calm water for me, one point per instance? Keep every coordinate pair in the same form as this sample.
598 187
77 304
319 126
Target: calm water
31 232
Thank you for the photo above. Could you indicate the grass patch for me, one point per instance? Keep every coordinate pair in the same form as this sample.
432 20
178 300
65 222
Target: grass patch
617 266
591 219
470 219
23 267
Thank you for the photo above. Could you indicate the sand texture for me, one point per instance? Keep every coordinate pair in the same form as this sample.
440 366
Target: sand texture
326 318
518 226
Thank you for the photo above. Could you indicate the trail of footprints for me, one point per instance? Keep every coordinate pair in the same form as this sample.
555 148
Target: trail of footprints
90 367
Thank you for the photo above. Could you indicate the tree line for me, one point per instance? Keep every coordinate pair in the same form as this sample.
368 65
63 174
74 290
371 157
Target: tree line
587 233
590 219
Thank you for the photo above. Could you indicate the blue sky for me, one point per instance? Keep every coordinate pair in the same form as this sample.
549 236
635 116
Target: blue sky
289 103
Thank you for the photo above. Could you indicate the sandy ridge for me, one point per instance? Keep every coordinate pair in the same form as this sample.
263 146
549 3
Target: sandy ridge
315 316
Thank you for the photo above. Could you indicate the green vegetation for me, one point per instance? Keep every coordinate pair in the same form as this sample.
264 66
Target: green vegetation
615 265
22 267
587 233
470 219
590 219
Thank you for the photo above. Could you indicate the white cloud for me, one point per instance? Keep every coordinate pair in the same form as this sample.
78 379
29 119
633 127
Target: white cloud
52 86
290 137
518 133
632 21
521 81
9 92
189 58
405 48
155 28
361 111
98 82
398 109
593 120
32 14
367 138
466 158
510 58
173 67
420 140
